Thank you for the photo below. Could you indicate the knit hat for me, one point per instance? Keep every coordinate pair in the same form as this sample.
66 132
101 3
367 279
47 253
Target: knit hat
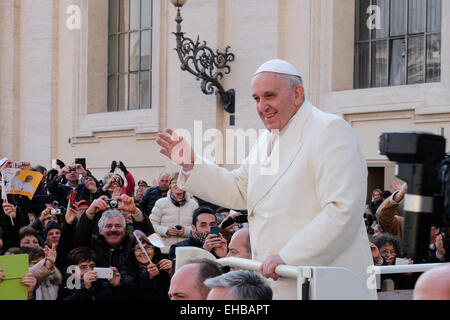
51 225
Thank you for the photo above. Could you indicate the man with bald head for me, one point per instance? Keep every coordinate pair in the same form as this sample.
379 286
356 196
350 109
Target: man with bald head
153 194
187 282
433 284
308 210
239 245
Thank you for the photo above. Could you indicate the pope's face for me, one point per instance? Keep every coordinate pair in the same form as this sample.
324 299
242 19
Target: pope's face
276 100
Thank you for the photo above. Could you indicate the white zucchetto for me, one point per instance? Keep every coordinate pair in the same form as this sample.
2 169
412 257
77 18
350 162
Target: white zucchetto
278 66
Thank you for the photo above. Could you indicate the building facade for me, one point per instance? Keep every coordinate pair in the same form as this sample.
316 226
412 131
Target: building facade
97 79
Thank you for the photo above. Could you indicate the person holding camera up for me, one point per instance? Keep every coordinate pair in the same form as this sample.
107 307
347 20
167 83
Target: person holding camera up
115 184
60 190
104 230
91 286
393 223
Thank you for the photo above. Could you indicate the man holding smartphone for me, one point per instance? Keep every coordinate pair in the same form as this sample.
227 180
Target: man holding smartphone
204 234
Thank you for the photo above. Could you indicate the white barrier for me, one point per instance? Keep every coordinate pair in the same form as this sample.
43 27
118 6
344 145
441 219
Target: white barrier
405 268
313 283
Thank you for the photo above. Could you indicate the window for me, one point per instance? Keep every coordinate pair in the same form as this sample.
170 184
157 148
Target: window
129 54
397 42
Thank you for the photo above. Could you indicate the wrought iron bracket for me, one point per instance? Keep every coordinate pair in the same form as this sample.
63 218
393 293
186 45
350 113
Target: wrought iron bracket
204 64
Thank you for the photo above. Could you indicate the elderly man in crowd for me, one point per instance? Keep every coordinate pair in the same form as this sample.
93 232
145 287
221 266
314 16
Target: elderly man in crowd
155 193
319 176
188 282
239 245
238 285
112 246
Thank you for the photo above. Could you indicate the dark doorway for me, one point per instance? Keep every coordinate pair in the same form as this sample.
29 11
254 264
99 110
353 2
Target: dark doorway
375 180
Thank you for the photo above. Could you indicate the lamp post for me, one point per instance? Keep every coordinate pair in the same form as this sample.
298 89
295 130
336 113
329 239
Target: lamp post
203 63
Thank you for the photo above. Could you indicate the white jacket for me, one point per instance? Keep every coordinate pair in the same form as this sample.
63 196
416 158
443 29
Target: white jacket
310 211
165 214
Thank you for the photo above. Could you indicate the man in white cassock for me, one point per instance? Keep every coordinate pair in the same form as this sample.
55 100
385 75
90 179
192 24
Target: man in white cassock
307 212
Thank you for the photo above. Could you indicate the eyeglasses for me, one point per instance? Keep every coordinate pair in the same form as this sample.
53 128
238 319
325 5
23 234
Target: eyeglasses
386 252
147 248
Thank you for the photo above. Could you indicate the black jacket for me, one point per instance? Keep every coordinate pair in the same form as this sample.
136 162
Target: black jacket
106 256
149 199
144 288
189 242
100 290
60 191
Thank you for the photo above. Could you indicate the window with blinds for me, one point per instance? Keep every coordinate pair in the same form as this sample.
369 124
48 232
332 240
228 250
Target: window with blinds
397 42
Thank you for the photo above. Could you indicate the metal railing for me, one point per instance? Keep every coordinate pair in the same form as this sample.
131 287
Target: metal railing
313 282
281 270
405 268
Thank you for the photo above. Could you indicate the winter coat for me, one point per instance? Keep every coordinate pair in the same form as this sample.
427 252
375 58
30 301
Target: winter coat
48 281
166 214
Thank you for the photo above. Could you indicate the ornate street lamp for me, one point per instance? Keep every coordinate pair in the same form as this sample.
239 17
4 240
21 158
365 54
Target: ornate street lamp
203 63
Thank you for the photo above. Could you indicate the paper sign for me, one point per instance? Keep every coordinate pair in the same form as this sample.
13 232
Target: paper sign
156 240
14 267
18 181
400 261
3 161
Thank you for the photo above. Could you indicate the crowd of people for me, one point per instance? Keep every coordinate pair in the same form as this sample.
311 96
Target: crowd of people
63 242
84 229
385 224
67 241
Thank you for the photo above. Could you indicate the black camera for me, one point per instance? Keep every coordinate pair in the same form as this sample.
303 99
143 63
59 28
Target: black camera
112 203
424 165
242 218
178 227
72 168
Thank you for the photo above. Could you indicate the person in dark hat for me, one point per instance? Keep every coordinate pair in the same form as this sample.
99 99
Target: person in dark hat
52 233
93 186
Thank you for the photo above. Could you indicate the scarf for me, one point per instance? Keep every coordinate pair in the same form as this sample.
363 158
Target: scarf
176 202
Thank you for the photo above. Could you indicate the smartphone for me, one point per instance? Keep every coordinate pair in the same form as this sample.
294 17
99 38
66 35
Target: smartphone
81 161
104 273
241 218
214 230
54 164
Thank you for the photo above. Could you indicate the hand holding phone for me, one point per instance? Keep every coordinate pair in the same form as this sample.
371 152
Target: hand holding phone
214 230
104 273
